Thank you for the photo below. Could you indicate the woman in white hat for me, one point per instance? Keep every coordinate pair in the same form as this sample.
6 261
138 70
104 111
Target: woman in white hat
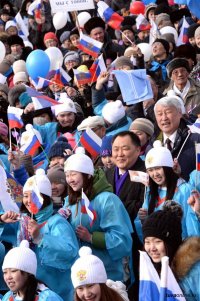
165 184
19 272
50 235
107 227
90 281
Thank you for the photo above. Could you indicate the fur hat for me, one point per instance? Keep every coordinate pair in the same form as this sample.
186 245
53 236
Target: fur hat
14 93
19 66
169 37
142 124
158 156
162 18
4 88
40 179
113 111
58 148
79 162
20 77
56 175
74 31
87 269
64 36
21 258
164 43
127 27
123 61
177 63
15 39
91 122
50 36
93 23
186 51
166 225
71 56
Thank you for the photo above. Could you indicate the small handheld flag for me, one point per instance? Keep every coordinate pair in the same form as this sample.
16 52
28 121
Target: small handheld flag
197 147
91 142
14 118
113 19
36 200
86 208
142 23
82 77
40 100
139 176
89 45
183 37
97 67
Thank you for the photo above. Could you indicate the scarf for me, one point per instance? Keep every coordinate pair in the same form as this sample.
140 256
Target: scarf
162 66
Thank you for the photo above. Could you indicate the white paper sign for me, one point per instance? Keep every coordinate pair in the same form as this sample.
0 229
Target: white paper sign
71 5
139 176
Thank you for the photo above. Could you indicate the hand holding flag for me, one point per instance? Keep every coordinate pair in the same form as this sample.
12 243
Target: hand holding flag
86 208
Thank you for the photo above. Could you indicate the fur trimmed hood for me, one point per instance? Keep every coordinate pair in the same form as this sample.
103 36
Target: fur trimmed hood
186 256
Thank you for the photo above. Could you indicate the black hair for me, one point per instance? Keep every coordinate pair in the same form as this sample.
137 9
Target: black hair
134 138
171 179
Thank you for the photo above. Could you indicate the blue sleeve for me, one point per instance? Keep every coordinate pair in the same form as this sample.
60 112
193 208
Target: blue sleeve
192 223
58 247
21 175
98 100
116 224
190 284
48 295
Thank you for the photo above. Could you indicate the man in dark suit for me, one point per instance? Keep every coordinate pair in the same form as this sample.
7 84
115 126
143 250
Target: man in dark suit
125 155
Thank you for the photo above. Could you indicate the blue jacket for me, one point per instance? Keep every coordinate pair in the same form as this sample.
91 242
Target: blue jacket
56 251
41 160
44 294
114 223
181 195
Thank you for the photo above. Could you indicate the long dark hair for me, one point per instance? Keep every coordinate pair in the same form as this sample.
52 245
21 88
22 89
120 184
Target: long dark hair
74 196
47 201
171 179
107 294
30 288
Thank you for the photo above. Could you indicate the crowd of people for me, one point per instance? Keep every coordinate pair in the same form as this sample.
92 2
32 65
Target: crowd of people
82 218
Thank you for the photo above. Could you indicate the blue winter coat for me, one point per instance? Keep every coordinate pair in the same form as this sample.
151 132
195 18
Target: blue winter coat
44 294
181 195
114 222
56 252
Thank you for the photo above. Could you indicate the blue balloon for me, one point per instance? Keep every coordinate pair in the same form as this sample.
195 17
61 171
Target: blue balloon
37 64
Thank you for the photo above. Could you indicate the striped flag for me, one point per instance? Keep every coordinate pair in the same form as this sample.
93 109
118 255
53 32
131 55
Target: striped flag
14 117
113 19
40 100
97 67
142 23
89 45
195 127
197 147
82 77
86 208
36 200
91 142
183 37
22 28
35 9
32 145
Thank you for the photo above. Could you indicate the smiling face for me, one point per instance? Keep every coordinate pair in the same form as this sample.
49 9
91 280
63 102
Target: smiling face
157 175
15 280
89 292
27 200
155 248
74 180
66 119
168 118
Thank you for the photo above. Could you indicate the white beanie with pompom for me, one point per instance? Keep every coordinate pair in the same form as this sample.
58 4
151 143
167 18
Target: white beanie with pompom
42 182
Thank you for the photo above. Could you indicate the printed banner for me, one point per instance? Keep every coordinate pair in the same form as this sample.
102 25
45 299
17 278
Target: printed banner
71 5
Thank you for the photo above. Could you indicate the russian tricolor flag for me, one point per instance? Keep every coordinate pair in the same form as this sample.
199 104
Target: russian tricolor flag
86 208
14 118
91 142
89 45
40 100
197 147
97 67
32 146
82 77
113 19
142 23
195 127
36 200
154 288
183 37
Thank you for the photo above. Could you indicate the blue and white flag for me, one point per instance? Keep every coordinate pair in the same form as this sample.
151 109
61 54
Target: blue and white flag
183 36
22 28
134 85
153 288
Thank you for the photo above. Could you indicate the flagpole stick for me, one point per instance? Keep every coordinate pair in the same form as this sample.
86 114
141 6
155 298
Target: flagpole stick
16 138
78 24
42 148
10 139
183 144
76 145
81 205
133 44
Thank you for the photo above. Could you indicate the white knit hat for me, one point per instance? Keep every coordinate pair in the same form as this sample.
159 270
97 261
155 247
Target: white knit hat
19 66
158 156
79 162
21 258
9 24
20 77
113 111
67 105
87 269
91 122
27 136
41 180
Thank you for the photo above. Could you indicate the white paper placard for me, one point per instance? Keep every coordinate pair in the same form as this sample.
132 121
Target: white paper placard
71 5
